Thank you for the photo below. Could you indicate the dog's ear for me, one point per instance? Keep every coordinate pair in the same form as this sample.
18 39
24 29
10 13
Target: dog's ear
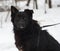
29 12
13 10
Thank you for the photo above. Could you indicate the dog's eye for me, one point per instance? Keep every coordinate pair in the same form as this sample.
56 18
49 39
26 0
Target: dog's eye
17 15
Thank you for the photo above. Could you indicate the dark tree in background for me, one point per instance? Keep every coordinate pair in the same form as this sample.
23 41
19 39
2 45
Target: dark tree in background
45 1
34 3
50 4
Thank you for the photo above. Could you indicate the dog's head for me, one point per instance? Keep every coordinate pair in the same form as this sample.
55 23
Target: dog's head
22 19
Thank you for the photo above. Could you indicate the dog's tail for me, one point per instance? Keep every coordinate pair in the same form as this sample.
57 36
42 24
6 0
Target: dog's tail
50 25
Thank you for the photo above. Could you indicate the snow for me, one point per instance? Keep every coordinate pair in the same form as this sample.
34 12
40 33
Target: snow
51 17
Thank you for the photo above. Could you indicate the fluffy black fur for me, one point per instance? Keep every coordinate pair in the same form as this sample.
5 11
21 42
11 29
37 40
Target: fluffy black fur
28 34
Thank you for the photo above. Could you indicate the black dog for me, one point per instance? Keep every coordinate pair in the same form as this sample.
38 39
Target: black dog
29 36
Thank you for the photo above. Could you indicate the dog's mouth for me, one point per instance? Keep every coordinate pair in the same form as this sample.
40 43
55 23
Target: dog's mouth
21 27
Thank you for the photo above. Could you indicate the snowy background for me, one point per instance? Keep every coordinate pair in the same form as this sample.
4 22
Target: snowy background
51 17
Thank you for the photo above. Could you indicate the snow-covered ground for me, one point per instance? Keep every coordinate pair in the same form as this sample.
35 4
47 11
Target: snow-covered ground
51 17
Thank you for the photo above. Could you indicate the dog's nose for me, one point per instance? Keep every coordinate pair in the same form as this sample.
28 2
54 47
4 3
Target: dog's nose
21 24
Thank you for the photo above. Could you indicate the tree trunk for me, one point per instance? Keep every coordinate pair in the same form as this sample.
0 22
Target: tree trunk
50 4
45 1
